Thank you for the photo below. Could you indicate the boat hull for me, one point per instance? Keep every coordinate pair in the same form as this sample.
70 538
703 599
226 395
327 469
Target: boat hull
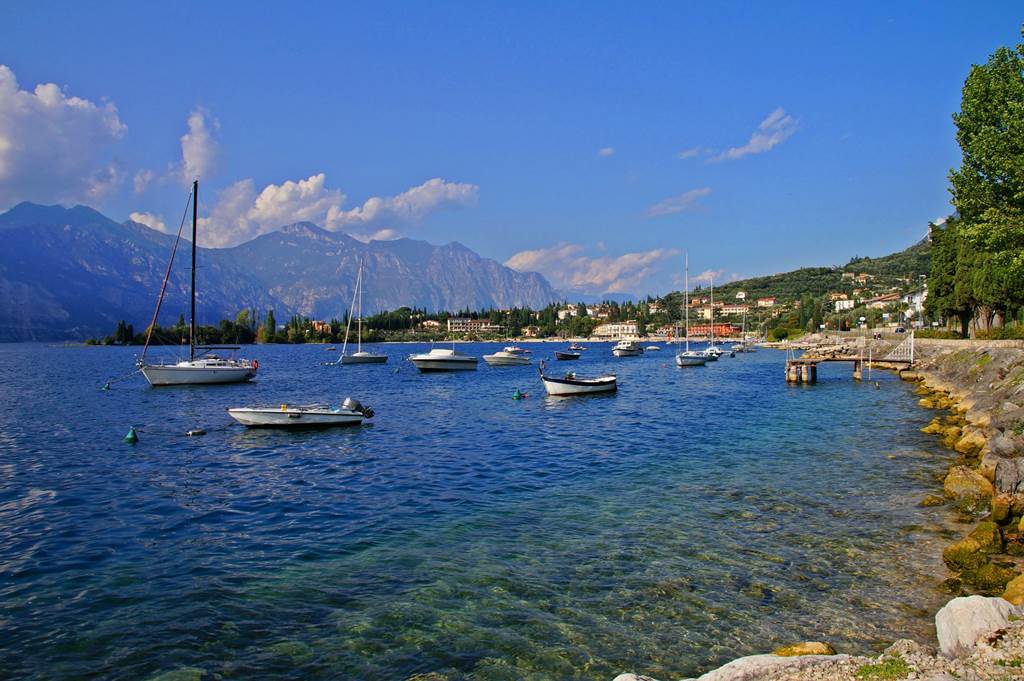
566 355
436 365
561 387
507 361
364 359
161 375
277 418
619 352
690 361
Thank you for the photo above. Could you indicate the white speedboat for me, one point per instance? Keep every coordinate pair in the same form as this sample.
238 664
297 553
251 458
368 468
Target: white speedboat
576 347
349 413
516 350
443 359
506 358
712 353
571 384
360 356
688 357
204 368
652 348
627 348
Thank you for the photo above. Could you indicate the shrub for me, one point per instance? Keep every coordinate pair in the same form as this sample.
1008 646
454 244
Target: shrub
936 333
1003 333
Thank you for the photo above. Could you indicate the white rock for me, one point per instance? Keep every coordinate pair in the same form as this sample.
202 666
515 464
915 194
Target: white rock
632 677
961 621
759 667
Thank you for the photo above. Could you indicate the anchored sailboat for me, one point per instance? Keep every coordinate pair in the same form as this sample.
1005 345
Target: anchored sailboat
359 356
688 358
202 366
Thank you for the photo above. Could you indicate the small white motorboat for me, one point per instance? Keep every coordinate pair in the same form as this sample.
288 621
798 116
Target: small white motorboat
506 359
571 384
443 359
712 353
652 348
627 348
349 413
576 347
516 350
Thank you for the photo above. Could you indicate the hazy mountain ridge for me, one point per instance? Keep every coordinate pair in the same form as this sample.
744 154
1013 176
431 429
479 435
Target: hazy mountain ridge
69 273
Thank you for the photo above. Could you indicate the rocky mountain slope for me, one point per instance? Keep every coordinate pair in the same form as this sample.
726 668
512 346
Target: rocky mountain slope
72 273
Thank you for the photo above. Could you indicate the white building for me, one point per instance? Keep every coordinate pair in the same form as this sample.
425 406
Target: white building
466 325
617 330
915 302
844 304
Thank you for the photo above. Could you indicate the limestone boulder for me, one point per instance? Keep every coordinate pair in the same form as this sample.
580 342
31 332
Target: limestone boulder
1009 475
971 441
1015 590
987 467
988 536
962 621
964 556
760 667
968 487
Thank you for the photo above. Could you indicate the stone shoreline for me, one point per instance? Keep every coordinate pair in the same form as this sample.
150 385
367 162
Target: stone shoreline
978 388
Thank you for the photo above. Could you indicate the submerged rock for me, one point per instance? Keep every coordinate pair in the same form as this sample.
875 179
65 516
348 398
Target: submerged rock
932 500
805 648
961 621
991 579
964 555
182 674
988 536
934 427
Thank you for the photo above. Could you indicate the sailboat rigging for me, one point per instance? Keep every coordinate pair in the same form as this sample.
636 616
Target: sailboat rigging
359 356
688 358
205 367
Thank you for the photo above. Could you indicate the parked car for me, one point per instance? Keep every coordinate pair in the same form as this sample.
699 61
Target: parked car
900 329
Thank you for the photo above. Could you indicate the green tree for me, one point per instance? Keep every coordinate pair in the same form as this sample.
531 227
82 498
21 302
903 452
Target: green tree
988 188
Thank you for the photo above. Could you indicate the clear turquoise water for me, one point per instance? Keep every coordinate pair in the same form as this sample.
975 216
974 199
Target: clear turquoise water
696 515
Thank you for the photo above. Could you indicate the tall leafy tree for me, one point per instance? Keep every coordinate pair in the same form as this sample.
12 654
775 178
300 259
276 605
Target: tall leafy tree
988 188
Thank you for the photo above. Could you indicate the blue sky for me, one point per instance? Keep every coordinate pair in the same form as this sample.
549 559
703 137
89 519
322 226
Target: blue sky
590 141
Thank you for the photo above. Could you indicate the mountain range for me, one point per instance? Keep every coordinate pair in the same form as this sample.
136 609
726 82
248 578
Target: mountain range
72 273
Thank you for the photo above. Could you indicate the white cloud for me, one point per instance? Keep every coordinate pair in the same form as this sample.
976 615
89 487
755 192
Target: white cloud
240 213
678 204
198 148
688 153
605 152
568 267
150 220
410 206
142 180
55 148
938 222
772 131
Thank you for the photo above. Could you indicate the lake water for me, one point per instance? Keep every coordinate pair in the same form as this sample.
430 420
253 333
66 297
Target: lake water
696 515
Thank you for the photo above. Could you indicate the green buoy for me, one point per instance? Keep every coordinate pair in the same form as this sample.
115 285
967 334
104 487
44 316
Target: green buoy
517 395
132 437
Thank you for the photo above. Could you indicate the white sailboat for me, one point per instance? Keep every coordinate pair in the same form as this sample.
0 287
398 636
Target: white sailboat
360 356
204 368
688 357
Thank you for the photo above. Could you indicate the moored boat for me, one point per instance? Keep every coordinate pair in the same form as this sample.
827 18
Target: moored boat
350 412
204 368
576 347
652 348
627 348
566 355
443 359
572 384
506 358
688 357
360 356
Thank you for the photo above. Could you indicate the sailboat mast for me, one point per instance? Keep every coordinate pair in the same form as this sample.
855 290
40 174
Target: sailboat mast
712 311
686 297
192 318
359 309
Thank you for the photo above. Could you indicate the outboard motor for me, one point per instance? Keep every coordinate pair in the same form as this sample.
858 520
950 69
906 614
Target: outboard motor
352 404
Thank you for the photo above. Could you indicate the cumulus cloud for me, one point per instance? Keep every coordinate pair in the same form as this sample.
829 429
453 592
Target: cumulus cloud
55 148
198 147
772 131
150 220
568 266
410 206
678 204
605 152
142 180
241 213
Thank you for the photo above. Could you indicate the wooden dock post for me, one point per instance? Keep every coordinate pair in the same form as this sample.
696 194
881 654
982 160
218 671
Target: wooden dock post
858 367
806 373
